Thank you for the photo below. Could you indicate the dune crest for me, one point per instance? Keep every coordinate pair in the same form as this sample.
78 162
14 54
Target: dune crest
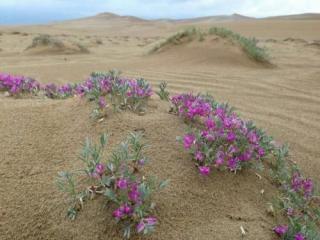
198 47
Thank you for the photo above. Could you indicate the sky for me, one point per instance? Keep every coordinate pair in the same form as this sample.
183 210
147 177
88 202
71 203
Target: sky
43 11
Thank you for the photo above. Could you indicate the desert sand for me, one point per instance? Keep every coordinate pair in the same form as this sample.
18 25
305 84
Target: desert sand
40 137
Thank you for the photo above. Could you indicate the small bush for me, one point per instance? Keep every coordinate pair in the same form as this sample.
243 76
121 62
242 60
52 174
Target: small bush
46 40
123 93
163 93
218 137
99 41
119 180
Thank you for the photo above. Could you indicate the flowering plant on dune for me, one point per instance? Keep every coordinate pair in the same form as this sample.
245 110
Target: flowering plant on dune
299 201
102 88
120 180
17 85
53 91
218 137
122 93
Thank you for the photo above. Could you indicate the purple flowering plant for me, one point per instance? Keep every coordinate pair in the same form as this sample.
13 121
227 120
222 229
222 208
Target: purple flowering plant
102 88
18 85
218 137
122 93
120 181
299 200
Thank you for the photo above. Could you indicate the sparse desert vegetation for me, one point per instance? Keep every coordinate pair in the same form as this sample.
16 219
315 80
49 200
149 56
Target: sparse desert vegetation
46 44
249 45
176 162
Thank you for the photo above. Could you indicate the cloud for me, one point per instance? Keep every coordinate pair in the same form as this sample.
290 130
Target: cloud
31 11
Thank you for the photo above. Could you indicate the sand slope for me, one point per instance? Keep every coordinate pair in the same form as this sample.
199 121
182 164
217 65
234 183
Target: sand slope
216 206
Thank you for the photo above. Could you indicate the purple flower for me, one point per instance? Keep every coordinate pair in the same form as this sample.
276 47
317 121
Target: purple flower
204 170
253 137
280 230
210 124
296 181
122 183
246 156
299 236
141 162
140 226
151 221
261 152
118 213
188 140
290 212
134 194
227 122
219 162
232 164
307 187
231 137
100 168
220 112
126 209
102 102
199 156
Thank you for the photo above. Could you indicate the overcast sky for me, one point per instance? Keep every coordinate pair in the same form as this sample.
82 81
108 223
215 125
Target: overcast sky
42 11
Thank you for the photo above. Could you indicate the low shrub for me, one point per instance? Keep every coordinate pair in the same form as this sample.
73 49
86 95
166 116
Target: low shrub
123 93
119 180
46 40
163 93
218 137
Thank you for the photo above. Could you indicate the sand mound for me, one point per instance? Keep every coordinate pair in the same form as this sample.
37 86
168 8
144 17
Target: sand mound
46 44
192 207
209 50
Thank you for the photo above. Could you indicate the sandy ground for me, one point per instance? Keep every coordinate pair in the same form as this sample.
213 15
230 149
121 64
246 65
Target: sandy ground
41 137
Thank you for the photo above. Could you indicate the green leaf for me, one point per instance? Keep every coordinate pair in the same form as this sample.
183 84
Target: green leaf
164 184
106 181
103 139
111 195
72 213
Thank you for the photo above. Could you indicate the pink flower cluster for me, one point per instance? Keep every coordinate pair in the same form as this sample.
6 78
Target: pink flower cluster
131 195
190 107
302 185
220 139
16 85
103 84
281 231
96 85
139 89
119 180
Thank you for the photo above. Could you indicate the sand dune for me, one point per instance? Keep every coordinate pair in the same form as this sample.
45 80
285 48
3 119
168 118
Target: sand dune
40 137
212 50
